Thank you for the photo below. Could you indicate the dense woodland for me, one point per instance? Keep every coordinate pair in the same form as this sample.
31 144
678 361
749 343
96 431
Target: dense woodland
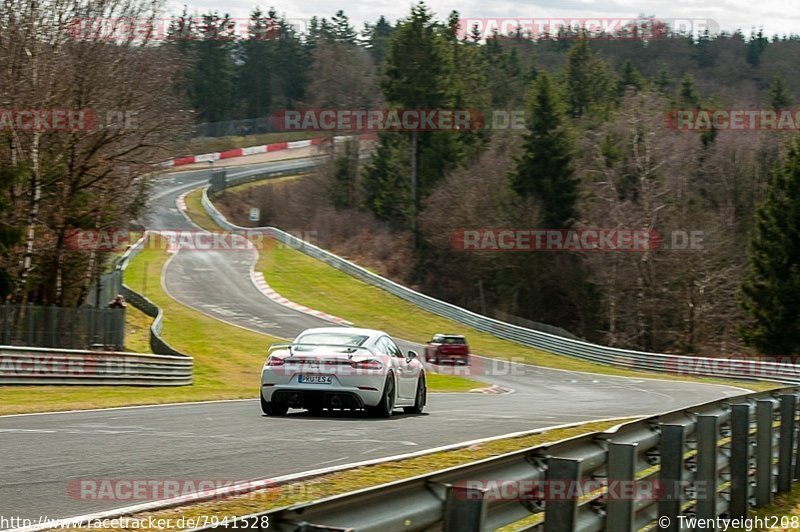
596 152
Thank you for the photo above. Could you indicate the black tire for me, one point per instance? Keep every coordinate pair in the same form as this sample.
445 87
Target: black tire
386 406
420 399
273 409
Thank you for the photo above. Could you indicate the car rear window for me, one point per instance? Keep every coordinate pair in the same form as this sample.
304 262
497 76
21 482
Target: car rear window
454 340
332 339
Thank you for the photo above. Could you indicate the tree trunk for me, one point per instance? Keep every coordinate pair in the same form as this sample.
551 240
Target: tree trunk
20 294
414 181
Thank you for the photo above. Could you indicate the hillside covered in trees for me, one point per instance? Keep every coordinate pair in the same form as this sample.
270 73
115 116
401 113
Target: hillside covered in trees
597 150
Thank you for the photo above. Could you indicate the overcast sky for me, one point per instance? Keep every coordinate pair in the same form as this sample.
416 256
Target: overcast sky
775 16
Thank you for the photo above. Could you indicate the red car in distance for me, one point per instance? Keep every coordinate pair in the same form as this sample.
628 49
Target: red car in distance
451 348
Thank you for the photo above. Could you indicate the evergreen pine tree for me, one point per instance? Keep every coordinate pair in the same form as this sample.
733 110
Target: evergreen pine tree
376 39
687 95
254 85
771 289
663 79
342 29
630 78
779 97
418 74
544 171
755 47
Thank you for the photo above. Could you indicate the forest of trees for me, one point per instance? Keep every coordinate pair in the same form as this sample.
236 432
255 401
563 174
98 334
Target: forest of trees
596 152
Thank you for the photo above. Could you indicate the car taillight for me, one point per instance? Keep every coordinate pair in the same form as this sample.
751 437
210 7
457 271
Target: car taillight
275 361
367 364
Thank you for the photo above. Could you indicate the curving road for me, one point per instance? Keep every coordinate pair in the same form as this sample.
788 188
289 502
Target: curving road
231 439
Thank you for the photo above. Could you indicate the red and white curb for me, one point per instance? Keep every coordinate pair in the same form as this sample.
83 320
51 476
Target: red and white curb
252 150
492 390
181 202
264 288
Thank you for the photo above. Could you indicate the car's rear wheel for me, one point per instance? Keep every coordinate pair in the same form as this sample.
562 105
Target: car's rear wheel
272 408
386 406
420 399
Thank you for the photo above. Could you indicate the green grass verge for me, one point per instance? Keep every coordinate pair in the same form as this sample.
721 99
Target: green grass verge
313 283
194 205
368 476
785 504
227 359
137 330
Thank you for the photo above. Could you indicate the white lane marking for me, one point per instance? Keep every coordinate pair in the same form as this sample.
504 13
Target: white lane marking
335 460
367 440
110 408
615 376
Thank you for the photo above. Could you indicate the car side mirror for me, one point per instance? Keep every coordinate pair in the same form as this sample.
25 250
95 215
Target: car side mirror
411 355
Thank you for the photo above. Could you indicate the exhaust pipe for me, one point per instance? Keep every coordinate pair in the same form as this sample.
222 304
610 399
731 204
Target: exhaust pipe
295 400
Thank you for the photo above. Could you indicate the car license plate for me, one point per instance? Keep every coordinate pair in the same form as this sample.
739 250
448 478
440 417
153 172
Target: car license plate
315 379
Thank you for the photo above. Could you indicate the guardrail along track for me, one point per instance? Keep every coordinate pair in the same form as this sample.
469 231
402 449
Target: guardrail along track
33 365
677 364
157 344
167 367
717 459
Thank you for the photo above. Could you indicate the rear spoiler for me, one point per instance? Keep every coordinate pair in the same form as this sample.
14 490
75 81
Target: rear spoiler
351 349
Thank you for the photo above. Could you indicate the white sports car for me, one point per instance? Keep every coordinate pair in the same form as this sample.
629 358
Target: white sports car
342 368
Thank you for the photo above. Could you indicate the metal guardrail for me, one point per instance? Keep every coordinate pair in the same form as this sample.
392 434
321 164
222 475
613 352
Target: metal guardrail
157 343
166 367
221 181
716 459
33 365
639 360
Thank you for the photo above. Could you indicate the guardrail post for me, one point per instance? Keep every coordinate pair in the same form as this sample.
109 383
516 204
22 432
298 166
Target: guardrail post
561 515
218 180
740 461
707 477
786 442
764 451
796 471
464 509
621 468
671 474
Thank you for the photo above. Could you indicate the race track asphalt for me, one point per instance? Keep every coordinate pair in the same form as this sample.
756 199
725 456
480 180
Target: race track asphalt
44 455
